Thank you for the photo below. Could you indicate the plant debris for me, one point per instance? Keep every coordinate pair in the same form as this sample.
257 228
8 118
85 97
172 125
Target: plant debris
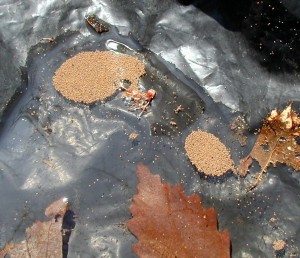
136 98
50 40
43 239
279 245
277 142
178 109
168 223
97 24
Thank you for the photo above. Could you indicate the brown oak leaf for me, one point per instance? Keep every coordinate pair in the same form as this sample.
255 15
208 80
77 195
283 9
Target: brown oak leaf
42 239
168 223
277 142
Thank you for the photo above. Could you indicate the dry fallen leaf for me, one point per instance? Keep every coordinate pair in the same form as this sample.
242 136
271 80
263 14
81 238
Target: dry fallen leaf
277 142
169 223
43 239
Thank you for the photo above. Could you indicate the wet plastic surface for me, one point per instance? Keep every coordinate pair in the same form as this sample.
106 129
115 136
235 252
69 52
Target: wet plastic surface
51 147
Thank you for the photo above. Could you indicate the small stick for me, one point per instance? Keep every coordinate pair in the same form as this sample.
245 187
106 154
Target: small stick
47 39
143 110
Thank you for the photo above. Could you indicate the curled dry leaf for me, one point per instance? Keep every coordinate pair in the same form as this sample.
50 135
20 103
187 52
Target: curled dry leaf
169 223
43 239
277 142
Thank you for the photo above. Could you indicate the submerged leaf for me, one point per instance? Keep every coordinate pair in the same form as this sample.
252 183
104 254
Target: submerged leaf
277 142
43 239
169 223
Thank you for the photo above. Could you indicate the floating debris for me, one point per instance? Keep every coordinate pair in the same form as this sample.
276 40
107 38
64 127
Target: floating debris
97 24
137 99
178 109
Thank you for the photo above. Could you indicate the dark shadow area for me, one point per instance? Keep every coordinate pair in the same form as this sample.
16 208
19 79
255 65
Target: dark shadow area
270 28
67 228
215 179
229 13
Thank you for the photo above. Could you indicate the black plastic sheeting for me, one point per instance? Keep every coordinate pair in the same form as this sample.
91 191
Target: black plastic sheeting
226 62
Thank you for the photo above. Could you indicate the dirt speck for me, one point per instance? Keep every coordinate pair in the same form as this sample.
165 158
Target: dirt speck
133 136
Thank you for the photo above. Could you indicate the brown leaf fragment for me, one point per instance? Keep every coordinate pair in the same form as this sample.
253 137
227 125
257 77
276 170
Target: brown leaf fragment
277 141
42 239
168 223
10 248
243 168
57 208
